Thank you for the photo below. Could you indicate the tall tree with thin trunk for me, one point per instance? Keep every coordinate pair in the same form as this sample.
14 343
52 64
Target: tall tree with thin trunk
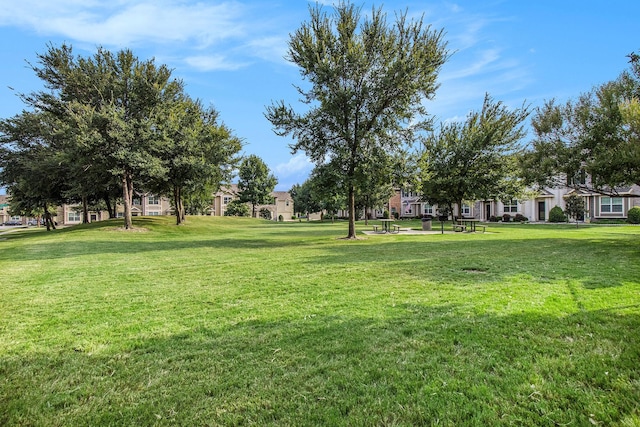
368 84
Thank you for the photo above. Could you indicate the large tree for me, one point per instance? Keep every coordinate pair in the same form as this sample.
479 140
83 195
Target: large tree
116 102
474 159
594 135
33 167
255 182
198 153
368 83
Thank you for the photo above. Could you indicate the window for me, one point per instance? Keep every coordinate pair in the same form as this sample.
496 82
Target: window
153 200
466 209
611 204
408 209
510 205
226 200
136 201
153 213
427 209
73 217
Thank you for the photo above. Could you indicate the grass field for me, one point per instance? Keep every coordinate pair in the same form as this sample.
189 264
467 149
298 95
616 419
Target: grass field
244 322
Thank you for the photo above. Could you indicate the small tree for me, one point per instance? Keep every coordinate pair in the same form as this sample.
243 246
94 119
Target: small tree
255 182
575 207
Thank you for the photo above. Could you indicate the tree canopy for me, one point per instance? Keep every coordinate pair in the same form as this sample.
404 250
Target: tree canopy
368 83
110 120
596 135
475 159
255 182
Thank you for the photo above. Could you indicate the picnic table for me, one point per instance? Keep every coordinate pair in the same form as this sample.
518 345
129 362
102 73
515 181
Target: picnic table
386 226
467 224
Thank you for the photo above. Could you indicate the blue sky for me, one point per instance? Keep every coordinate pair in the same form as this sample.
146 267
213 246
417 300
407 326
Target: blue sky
231 54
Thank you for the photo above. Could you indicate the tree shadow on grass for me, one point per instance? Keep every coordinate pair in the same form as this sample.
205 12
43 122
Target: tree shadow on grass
412 365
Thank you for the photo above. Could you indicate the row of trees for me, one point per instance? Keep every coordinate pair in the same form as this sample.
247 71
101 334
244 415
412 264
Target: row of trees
107 124
367 85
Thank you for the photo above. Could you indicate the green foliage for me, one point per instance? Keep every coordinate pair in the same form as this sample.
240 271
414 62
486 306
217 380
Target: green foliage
255 182
265 213
574 206
598 134
475 159
633 216
368 81
520 218
236 208
556 214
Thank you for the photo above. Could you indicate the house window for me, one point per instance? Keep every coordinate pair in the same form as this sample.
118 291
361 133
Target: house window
227 199
153 213
408 209
510 205
466 209
136 201
73 217
611 204
153 200
428 209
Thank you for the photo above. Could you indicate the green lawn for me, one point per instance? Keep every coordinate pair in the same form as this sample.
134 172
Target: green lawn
242 322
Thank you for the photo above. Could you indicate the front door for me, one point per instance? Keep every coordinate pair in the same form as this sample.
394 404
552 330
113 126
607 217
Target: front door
542 211
487 210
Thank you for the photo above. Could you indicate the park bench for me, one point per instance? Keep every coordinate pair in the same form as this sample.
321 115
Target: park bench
396 228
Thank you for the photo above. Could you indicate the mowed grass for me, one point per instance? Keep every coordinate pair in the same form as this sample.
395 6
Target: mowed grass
242 322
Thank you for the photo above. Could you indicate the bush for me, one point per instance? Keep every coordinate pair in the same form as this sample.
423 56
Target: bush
494 218
385 215
556 214
520 218
634 215
506 217
265 213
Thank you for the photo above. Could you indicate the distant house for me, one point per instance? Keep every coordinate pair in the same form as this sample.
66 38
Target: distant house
281 206
144 204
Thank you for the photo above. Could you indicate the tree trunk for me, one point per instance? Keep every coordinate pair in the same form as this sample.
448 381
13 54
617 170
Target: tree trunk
127 195
352 212
110 208
177 203
85 210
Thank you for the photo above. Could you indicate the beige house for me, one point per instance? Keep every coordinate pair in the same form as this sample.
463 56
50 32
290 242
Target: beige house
145 204
281 207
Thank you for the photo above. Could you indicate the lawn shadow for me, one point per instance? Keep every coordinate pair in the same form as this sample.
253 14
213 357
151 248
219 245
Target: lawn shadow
410 366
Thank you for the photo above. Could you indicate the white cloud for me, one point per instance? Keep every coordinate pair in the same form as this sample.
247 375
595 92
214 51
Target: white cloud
296 164
127 23
212 63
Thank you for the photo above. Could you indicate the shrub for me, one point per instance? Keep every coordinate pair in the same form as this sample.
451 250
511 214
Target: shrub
385 215
520 218
506 217
556 214
493 218
265 213
634 215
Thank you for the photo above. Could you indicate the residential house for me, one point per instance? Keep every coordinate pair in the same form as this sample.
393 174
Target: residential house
144 204
281 207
